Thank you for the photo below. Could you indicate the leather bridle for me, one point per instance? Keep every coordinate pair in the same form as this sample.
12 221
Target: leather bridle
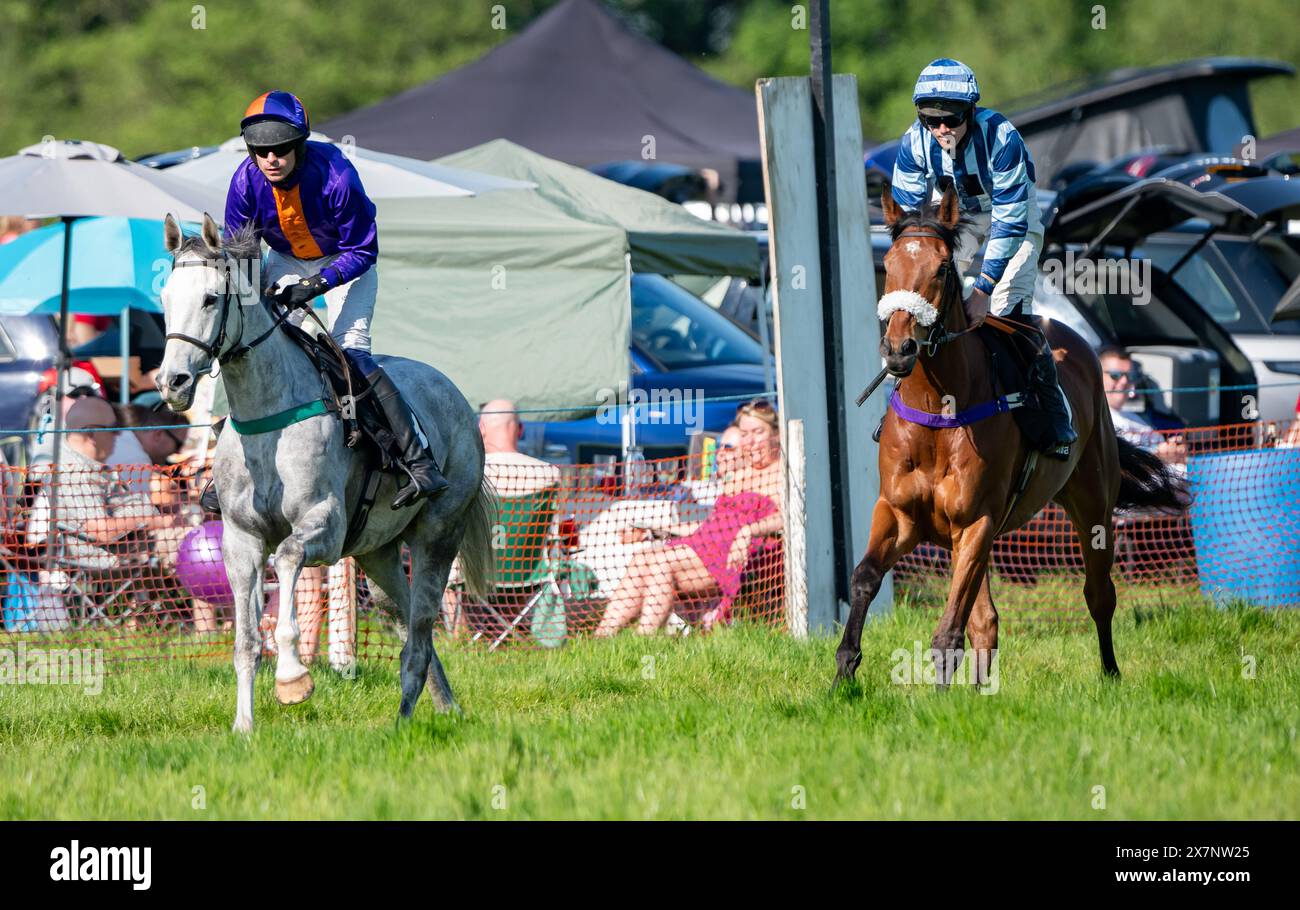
951 289
213 348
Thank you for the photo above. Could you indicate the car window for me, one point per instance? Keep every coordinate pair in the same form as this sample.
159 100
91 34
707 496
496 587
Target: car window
679 330
1199 278
1259 267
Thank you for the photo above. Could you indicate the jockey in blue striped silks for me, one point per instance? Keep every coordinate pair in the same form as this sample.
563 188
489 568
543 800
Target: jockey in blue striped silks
980 155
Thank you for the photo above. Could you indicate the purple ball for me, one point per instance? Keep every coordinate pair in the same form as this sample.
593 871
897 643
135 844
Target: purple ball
200 567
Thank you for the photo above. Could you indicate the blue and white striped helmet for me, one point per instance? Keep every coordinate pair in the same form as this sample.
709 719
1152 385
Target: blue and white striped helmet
950 79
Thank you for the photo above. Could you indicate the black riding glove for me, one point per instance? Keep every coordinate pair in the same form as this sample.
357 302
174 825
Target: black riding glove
302 293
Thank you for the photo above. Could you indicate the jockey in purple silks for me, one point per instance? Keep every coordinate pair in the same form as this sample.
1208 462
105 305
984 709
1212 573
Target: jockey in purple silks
305 199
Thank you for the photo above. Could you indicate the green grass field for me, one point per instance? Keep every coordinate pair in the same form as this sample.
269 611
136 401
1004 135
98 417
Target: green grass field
739 725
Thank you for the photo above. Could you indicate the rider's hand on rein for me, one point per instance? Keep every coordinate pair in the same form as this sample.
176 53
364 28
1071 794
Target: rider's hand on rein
977 307
304 292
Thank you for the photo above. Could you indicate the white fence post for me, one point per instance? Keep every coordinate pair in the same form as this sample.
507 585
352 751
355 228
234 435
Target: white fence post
343 615
796 561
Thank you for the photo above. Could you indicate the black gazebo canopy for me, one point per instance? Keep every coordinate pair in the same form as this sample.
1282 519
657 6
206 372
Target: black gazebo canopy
578 86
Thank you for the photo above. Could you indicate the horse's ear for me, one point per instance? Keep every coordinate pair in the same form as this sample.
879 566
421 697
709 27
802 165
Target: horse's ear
893 211
949 208
211 236
171 234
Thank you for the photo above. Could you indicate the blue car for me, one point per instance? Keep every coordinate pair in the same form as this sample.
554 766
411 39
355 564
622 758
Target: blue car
682 351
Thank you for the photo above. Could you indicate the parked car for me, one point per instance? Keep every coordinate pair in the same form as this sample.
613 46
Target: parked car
27 349
681 350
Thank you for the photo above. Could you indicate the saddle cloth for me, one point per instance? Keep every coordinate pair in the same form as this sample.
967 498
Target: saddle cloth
1013 342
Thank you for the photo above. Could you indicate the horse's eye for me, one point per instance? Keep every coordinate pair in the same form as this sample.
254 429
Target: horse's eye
209 300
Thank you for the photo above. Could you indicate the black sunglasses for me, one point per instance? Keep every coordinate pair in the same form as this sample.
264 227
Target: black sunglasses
280 150
952 121
1120 374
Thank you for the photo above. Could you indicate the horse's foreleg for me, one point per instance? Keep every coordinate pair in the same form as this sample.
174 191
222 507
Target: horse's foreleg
243 554
970 567
983 631
293 682
893 535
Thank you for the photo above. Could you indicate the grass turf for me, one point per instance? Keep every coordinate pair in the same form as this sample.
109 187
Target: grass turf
738 725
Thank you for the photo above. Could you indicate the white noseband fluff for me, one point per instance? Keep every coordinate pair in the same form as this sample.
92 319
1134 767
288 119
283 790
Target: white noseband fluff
909 301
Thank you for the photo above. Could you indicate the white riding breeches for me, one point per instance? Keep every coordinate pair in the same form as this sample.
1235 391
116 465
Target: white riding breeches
350 307
1016 283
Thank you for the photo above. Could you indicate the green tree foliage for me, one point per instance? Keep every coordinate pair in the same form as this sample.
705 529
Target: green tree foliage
143 77
1016 47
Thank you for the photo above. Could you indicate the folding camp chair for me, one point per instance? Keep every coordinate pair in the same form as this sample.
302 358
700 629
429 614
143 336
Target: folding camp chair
533 576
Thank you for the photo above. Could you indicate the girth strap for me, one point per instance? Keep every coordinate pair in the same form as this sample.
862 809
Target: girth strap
296 414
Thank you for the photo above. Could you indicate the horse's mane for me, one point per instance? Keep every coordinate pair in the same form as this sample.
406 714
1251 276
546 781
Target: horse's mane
927 218
244 243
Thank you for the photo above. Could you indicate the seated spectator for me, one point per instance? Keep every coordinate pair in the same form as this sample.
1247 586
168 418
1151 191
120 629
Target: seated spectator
1118 376
507 467
512 474
711 555
90 500
139 448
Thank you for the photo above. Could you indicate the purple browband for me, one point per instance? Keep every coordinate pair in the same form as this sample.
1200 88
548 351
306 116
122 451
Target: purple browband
971 415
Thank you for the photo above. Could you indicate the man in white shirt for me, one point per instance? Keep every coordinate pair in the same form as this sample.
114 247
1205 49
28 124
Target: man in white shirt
1118 375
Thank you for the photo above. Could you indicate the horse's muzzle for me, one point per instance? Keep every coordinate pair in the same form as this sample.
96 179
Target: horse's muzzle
901 362
176 388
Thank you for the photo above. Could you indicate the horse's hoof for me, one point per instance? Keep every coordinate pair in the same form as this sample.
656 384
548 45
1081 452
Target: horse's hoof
294 691
242 726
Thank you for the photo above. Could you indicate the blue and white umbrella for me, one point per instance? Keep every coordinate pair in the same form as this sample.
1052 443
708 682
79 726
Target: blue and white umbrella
70 179
119 264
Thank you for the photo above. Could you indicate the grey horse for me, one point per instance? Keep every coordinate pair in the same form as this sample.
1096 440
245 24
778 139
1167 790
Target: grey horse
290 490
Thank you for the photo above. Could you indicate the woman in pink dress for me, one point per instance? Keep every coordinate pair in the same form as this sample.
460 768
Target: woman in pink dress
707 556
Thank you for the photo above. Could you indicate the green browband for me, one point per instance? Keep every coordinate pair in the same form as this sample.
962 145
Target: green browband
296 414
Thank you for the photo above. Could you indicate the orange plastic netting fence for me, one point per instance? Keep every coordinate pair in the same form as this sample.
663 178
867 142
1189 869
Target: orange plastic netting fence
133 567
124 560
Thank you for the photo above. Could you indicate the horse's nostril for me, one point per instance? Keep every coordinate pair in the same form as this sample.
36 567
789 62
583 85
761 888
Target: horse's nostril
908 348
179 381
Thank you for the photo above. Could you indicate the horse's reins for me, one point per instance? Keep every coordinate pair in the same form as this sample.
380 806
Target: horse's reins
347 406
213 348
938 335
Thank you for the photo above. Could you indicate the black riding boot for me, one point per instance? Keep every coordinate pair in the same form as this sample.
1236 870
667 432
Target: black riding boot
425 477
1046 387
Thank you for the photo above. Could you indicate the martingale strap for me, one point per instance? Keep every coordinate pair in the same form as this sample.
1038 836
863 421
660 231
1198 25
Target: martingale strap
1000 405
295 414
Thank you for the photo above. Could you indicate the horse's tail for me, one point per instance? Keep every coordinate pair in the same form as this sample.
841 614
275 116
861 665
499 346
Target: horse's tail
1147 482
476 550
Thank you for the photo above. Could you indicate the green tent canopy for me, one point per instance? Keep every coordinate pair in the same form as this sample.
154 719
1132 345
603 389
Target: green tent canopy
526 294
663 237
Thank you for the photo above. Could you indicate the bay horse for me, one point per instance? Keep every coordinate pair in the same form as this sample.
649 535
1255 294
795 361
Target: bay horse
953 482
289 484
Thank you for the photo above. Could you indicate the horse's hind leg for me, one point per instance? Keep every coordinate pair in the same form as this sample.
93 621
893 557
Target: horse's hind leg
390 590
1091 509
431 565
892 536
